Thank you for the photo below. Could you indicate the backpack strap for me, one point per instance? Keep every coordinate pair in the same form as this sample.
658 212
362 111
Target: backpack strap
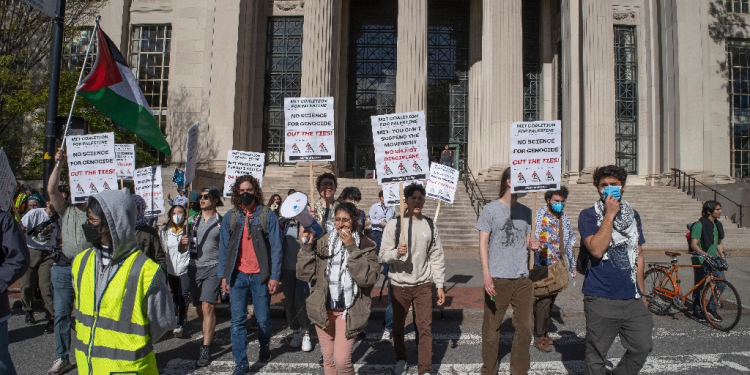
263 218
236 213
429 222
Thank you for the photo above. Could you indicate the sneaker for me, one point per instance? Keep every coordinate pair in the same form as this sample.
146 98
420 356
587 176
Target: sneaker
60 367
204 357
697 315
296 339
241 370
30 318
400 367
714 316
307 345
386 336
264 355
541 344
50 328
177 332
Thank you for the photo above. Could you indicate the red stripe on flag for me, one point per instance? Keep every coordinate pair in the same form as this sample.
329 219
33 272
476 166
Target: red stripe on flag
104 72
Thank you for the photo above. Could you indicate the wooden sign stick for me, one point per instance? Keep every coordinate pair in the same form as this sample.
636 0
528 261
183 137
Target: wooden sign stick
401 204
437 212
312 188
533 232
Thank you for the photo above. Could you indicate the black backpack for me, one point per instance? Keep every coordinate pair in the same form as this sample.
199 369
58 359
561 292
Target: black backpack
429 222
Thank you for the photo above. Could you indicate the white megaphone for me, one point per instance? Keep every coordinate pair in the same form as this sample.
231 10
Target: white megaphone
295 207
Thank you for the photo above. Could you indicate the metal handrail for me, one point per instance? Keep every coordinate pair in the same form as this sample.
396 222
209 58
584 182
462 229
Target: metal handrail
472 188
683 181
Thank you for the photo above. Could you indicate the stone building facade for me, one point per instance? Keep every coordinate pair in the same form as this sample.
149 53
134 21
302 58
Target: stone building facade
650 85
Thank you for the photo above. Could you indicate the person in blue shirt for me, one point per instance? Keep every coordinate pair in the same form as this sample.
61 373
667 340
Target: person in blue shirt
612 262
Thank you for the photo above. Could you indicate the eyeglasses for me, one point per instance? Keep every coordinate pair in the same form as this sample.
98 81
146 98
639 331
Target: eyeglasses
206 197
342 220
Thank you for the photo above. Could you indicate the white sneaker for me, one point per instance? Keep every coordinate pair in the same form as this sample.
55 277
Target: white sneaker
177 332
60 366
296 340
386 336
307 345
400 368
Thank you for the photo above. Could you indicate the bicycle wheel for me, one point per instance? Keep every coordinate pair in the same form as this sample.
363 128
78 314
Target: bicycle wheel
658 287
722 306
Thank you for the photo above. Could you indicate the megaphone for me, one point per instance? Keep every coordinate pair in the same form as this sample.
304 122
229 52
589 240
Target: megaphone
295 207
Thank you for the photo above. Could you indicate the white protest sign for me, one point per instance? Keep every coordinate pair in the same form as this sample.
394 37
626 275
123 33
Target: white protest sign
535 154
442 183
148 185
125 156
240 163
308 126
390 192
7 182
400 147
191 154
48 7
92 166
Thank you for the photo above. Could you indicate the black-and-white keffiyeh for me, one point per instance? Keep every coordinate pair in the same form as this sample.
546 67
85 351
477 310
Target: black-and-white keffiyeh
340 282
623 249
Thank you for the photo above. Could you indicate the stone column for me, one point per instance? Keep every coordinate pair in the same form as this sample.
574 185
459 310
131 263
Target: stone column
548 110
474 104
599 81
571 76
411 60
502 79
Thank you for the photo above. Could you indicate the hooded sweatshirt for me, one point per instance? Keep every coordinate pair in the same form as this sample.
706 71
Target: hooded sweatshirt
424 260
120 212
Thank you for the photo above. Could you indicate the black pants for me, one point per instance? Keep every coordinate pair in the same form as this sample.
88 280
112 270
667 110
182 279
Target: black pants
180 286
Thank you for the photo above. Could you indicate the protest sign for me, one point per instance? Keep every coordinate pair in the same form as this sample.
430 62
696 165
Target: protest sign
7 182
48 7
149 186
535 154
390 192
125 157
191 154
308 125
91 164
442 183
240 163
400 147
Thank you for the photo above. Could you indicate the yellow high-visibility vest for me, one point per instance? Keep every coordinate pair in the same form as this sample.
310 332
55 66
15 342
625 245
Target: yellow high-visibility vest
112 336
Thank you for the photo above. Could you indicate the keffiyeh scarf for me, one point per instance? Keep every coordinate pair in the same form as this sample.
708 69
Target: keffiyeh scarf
623 249
340 282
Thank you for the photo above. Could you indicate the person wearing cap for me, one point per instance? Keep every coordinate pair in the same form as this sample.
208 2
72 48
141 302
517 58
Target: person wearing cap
202 239
35 201
194 207
179 200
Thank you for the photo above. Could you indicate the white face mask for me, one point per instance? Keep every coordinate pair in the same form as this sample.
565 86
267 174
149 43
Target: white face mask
177 219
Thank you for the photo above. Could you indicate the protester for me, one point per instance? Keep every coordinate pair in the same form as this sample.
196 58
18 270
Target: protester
194 206
122 298
65 192
275 204
203 240
148 236
446 157
72 217
412 270
35 201
555 235
352 195
342 266
612 262
179 200
706 236
178 260
42 236
323 209
504 242
380 215
20 205
250 258
14 260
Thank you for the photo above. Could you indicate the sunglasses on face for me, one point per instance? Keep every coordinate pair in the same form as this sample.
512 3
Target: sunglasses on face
206 197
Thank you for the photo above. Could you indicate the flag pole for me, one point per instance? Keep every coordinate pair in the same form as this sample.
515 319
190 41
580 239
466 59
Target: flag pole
80 77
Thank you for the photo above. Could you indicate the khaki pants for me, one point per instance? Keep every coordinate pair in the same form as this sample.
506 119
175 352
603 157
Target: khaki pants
421 295
39 272
519 293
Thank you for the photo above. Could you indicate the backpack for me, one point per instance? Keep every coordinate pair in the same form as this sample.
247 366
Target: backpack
429 222
262 218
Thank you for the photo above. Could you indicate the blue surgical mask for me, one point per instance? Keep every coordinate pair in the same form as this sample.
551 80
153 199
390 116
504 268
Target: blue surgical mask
558 207
614 191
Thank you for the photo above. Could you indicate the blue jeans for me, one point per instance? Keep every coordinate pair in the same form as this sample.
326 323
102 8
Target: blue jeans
241 286
6 365
62 281
700 273
447 164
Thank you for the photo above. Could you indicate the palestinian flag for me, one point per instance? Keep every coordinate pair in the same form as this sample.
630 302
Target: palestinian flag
111 87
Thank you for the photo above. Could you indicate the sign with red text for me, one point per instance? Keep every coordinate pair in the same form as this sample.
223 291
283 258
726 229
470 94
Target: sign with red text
442 183
535 156
7 182
308 127
125 157
149 186
92 165
240 163
400 147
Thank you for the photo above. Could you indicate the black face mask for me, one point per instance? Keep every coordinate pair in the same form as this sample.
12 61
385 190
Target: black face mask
92 233
247 199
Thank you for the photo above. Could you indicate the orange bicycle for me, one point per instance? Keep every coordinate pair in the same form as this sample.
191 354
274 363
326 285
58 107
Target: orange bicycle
663 291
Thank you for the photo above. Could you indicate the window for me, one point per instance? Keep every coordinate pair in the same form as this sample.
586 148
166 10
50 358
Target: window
531 58
626 98
738 59
150 47
737 6
283 79
74 50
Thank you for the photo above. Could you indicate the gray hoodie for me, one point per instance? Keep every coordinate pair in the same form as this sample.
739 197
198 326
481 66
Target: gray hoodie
120 211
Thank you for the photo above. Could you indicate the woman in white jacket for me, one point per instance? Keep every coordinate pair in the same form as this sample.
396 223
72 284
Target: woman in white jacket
177 263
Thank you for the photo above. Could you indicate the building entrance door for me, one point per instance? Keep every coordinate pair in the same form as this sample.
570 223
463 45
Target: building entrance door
364 159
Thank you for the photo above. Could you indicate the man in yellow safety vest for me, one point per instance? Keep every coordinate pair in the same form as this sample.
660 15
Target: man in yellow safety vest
123 305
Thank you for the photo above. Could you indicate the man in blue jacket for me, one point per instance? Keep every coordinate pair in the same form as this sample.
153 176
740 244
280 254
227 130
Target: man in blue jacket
14 260
249 262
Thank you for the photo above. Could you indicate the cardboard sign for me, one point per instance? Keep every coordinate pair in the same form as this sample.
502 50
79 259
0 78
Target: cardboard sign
7 182
191 153
92 166
148 185
240 163
400 147
390 192
48 7
125 157
308 125
370 174
442 183
535 156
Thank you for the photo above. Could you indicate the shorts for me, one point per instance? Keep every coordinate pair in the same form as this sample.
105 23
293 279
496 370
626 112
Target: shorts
204 284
